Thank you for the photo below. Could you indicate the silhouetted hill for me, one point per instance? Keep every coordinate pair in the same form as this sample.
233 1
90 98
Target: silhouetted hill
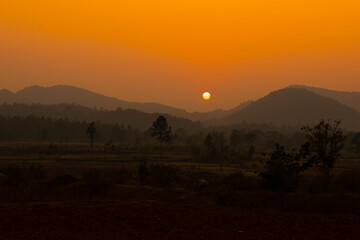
126 117
350 99
294 106
7 96
217 114
79 96
70 95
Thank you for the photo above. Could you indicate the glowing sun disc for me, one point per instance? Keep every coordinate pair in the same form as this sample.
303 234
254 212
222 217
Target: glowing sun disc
206 95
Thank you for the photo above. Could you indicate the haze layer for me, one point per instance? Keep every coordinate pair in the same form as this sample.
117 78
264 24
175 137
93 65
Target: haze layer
171 51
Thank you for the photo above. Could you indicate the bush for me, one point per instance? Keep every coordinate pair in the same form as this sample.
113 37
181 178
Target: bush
348 181
62 180
36 171
238 181
233 180
95 181
227 197
162 175
283 170
311 182
13 175
200 185
119 176
143 171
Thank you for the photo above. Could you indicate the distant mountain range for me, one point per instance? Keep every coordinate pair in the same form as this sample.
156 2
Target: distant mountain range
128 117
350 99
69 94
294 105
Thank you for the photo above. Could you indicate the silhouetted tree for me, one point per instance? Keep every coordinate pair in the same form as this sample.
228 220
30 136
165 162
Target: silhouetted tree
136 119
250 138
235 138
251 152
355 144
219 141
282 171
109 146
161 131
209 142
326 140
91 132
143 171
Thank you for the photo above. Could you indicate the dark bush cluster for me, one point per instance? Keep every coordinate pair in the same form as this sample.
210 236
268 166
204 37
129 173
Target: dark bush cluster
283 170
158 175
15 174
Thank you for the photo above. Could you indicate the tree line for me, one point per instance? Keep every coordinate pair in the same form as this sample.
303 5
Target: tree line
72 112
324 143
216 143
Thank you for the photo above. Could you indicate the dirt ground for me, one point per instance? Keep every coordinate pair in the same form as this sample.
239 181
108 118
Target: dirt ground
157 220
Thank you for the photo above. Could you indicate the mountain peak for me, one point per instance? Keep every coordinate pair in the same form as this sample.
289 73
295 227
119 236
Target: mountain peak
6 92
351 99
293 106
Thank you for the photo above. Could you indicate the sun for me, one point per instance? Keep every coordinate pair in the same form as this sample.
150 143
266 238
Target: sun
206 96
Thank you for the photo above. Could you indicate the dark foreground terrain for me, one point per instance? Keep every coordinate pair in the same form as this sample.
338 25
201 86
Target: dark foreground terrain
157 220
82 195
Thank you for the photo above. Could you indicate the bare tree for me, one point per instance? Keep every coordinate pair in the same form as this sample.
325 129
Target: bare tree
326 140
91 132
235 138
161 130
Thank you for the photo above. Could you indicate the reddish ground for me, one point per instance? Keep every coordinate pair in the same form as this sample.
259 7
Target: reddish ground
154 220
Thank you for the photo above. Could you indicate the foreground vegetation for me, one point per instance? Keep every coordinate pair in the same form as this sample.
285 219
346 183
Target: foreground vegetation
213 167
31 172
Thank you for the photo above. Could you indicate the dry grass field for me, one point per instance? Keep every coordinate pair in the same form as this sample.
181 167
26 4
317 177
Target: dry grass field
72 193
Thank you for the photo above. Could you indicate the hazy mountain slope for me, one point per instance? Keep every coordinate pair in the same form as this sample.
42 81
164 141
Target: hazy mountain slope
75 95
351 99
70 94
134 118
8 97
294 106
217 114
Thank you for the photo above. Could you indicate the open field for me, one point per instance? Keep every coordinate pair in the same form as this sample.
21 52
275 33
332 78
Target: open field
73 158
73 193
156 220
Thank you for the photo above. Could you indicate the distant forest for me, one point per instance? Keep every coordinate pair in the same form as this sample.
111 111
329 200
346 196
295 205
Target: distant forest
258 137
41 129
135 118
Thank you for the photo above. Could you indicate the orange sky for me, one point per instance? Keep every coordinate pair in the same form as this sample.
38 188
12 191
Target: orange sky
171 51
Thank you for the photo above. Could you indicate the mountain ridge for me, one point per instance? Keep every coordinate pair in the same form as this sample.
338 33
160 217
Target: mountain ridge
296 106
293 105
127 117
70 94
351 99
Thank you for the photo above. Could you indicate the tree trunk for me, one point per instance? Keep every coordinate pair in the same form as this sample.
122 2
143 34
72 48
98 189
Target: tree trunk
161 148
92 142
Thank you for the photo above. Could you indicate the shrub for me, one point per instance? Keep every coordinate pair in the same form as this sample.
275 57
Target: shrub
283 170
348 181
119 176
200 185
227 197
233 179
143 171
36 171
238 181
62 180
162 175
95 181
13 175
325 140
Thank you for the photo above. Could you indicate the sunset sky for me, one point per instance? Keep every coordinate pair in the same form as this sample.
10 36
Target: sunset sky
172 51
